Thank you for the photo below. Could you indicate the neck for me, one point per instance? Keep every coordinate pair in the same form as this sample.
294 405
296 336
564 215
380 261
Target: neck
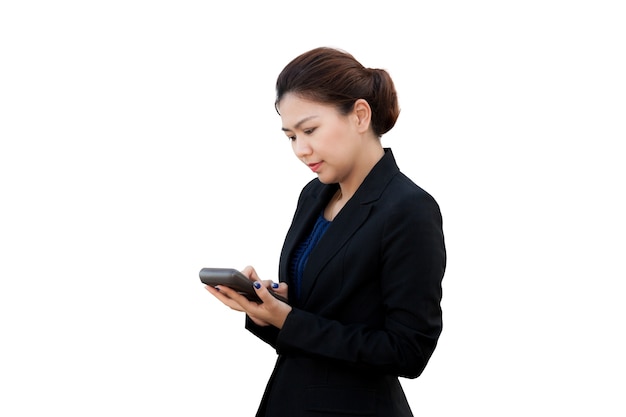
368 158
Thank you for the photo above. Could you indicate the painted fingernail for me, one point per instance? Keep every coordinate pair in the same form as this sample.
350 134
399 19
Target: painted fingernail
275 285
257 285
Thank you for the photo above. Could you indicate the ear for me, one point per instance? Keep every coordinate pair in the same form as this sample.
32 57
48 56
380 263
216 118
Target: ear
362 115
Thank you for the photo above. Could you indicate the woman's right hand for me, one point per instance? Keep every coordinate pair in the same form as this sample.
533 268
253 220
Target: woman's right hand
270 312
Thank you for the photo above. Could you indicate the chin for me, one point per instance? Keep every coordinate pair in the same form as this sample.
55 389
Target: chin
325 179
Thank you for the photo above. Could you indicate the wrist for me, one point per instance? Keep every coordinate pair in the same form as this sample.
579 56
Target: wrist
282 316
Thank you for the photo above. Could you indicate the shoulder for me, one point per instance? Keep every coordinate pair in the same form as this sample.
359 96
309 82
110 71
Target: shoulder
402 188
404 198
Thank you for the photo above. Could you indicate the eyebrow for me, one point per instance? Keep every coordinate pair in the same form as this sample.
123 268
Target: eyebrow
306 119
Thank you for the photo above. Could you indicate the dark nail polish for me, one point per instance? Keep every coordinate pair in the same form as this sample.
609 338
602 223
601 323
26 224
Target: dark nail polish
257 285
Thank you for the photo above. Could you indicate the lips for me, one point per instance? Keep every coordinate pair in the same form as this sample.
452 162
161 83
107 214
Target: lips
315 166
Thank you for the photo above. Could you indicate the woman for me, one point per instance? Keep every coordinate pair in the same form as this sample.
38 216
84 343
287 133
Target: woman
363 260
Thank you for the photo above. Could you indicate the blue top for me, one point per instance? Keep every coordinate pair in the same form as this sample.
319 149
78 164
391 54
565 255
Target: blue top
302 252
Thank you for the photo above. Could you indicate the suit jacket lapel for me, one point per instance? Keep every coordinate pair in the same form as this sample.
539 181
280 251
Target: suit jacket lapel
339 232
347 222
309 208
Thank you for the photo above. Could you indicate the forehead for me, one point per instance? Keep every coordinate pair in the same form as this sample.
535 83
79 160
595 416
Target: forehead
293 109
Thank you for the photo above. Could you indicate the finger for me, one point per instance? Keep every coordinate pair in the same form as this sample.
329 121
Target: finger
277 287
268 283
250 272
282 289
226 296
232 294
263 293
261 290
228 302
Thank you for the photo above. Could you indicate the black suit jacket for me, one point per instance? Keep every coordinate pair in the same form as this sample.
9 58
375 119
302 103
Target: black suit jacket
370 305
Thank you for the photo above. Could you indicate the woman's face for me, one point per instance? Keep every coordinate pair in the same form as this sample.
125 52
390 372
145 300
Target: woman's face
322 138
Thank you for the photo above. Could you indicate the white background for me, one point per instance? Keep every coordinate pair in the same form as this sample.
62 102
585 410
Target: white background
139 143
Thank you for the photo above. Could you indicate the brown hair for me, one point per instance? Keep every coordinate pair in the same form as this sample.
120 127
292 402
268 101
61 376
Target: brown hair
335 77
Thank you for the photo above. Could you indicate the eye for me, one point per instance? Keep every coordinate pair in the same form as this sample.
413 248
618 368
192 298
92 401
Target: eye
291 138
309 131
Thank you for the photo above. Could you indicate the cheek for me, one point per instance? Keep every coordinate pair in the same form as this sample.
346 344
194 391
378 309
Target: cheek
341 145
336 140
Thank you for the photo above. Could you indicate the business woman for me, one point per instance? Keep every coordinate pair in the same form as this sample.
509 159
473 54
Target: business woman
363 260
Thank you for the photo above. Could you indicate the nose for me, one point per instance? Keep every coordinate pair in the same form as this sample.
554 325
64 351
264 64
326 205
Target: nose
301 147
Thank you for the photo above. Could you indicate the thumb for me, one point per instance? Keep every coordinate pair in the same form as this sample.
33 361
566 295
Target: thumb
261 291
280 288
